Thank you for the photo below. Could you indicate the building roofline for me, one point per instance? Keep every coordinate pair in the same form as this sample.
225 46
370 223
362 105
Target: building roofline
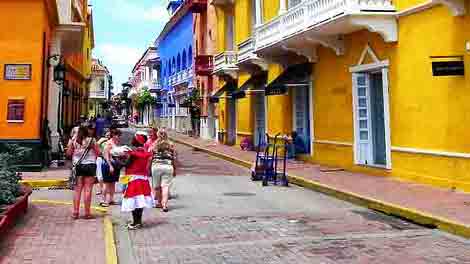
182 10
151 48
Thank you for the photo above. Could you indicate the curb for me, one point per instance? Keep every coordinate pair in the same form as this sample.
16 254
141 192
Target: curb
109 240
410 214
50 183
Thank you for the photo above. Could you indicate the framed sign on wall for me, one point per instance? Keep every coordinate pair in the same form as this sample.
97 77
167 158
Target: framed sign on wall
17 72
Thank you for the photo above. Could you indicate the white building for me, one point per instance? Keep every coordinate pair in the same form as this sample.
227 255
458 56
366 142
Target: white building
100 88
145 77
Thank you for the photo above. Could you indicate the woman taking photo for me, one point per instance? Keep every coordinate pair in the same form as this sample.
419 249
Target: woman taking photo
163 167
83 151
111 168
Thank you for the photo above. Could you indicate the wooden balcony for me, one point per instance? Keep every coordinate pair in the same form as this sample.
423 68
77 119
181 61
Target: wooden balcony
204 65
197 6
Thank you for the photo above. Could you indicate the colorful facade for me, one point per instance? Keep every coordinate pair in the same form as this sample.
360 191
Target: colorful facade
205 26
28 51
145 77
368 86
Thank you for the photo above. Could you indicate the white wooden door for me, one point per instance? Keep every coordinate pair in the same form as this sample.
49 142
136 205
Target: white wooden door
363 122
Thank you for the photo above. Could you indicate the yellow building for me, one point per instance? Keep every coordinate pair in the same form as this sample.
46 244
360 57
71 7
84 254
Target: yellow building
29 97
378 87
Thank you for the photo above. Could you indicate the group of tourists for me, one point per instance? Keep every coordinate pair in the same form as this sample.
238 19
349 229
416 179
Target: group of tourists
145 170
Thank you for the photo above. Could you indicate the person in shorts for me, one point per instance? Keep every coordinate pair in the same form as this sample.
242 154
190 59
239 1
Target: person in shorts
84 151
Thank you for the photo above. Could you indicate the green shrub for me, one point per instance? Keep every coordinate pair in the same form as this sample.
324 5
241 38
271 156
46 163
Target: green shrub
11 157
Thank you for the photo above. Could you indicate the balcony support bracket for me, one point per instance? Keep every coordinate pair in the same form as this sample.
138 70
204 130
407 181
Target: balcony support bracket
335 43
457 7
385 26
308 52
260 63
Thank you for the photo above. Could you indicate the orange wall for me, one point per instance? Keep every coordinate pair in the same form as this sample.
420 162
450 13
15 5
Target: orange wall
21 41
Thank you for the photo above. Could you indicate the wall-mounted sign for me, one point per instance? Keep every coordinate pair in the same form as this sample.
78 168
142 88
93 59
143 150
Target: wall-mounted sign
276 90
448 68
17 72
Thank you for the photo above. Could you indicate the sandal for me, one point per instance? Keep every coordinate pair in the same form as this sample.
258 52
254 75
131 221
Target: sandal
165 209
74 216
103 204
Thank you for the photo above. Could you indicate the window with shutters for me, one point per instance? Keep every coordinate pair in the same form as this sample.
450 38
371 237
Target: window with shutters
15 111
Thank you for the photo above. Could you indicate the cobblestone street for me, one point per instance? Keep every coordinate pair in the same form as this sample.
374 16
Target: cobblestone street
218 217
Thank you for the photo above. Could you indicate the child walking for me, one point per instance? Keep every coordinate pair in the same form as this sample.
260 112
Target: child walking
137 195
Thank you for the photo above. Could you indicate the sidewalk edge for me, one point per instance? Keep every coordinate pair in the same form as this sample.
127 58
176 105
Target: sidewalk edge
110 242
37 183
410 214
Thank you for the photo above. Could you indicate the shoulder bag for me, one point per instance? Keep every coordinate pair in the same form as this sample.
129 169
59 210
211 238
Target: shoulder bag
73 176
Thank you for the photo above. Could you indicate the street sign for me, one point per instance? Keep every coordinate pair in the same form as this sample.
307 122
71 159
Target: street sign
448 68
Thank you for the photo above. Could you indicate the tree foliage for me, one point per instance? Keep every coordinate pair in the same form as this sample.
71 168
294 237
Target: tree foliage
145 98
10 159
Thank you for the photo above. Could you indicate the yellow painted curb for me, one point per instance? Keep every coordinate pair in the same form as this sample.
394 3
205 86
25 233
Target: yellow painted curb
45 183
110 242
54 202
413 215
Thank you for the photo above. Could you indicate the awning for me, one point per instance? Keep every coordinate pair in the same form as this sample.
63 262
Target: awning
228 87
255 80
296 75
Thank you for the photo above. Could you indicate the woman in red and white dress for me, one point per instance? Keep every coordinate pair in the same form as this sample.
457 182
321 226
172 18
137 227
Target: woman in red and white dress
138 194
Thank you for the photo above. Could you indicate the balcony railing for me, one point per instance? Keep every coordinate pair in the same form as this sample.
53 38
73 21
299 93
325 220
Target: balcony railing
204 65
226 63
311 14
97 94
181 77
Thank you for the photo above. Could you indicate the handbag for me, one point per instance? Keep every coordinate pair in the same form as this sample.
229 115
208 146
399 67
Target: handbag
73 175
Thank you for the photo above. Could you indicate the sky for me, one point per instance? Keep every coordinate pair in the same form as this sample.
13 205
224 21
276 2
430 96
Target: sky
123 31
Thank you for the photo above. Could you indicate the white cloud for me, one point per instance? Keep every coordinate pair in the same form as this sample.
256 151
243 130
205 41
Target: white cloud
131 10
156 13
118 54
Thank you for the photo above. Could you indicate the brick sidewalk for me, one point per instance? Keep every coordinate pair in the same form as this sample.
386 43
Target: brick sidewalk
47 234
442 203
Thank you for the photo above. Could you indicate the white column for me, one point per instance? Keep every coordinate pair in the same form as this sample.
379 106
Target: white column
282 6
54 97
258 13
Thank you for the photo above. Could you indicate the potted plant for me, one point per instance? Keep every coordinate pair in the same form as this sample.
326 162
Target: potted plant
13 195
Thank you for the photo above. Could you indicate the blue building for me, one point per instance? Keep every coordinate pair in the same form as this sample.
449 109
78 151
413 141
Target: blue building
175 45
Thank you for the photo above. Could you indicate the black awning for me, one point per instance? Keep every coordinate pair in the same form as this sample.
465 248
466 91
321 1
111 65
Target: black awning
238 94
296 75
252 81
228 87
